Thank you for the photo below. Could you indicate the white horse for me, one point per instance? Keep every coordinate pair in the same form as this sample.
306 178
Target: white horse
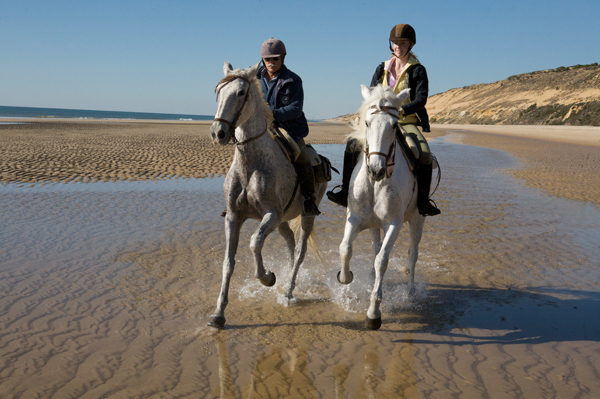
261 183
382 192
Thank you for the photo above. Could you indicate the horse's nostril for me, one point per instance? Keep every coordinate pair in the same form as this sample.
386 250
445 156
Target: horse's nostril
221 135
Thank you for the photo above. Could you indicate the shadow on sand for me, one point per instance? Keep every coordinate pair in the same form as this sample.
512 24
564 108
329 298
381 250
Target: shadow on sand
477 316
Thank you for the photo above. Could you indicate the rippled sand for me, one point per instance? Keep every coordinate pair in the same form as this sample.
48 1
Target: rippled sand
106 289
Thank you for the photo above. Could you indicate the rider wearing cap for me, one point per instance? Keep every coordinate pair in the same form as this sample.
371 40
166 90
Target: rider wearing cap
403 70
282 90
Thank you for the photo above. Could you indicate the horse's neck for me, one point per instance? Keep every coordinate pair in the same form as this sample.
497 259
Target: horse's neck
259 151
252 127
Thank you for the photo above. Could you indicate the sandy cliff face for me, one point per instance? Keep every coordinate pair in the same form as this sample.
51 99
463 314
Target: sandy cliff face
562 96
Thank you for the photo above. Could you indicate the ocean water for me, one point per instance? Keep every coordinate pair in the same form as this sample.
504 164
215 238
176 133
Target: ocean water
30 112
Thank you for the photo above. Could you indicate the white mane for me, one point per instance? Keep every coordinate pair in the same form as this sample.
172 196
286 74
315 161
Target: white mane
379 95
250 74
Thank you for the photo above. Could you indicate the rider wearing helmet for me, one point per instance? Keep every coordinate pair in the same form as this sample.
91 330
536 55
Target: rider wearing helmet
282 90
403 70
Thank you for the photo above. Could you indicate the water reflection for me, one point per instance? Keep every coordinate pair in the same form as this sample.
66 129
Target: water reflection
509 276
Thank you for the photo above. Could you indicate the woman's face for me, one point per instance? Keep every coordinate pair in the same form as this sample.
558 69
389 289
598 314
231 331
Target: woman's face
401 47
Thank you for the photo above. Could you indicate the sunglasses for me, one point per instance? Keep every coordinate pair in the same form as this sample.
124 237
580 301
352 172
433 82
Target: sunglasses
273 59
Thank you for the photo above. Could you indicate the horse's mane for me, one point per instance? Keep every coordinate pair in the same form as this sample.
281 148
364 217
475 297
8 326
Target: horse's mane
251 76
379 94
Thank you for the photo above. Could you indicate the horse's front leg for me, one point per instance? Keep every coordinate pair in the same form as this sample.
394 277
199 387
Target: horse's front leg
381 263
306 228
415 225
232 235
376 242
290 242
351 230
268 223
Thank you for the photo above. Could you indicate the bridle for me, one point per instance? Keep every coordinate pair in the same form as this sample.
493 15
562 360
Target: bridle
389 157
233 125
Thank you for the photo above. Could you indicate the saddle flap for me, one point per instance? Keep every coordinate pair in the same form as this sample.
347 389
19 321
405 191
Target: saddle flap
286 142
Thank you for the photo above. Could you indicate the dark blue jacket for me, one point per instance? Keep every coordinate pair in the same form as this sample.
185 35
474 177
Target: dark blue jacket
286 101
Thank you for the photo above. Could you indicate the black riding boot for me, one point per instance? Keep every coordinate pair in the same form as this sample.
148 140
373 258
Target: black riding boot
425 205
307 186
341 197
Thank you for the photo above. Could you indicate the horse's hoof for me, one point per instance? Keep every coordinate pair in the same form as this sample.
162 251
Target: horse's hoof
373 324
269 279
412 293
351 278
216 322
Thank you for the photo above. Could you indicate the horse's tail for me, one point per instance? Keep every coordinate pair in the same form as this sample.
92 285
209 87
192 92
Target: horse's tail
296 224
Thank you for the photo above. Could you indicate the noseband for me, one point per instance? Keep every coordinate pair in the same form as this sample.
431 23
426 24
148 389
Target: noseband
232 125
389 157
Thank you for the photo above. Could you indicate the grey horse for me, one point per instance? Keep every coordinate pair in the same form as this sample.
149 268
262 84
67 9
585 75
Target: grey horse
261 183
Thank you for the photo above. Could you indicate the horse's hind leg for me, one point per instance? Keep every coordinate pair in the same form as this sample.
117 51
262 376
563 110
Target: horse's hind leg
266 227
415 225
232 235
381 263
306 229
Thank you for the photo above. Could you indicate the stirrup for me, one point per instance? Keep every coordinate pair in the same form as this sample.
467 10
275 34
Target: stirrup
309 208
429 208
339 198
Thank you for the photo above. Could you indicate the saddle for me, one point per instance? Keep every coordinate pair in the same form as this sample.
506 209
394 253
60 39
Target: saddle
321 165
409 148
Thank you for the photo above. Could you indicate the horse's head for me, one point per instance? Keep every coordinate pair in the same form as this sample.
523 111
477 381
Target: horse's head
233 92
379 117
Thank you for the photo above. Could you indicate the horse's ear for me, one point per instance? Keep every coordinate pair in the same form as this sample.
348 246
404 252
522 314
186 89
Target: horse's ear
252 70
365 91
227 68
403 95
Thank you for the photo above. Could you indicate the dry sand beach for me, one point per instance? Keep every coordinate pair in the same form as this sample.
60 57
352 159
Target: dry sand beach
106 286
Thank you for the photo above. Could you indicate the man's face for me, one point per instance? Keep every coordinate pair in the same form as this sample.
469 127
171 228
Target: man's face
273 64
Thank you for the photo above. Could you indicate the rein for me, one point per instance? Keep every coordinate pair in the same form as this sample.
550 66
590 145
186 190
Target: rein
392 152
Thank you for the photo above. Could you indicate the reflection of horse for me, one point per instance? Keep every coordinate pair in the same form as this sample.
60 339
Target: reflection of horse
377 198
261 183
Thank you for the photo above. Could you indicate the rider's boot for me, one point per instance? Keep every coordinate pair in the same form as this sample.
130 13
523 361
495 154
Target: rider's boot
426 206
307 184
341 197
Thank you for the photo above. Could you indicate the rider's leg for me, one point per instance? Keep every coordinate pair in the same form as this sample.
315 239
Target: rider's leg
423 172
350 158
307 181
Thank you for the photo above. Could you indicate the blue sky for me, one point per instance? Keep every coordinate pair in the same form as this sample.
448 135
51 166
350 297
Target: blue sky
167 56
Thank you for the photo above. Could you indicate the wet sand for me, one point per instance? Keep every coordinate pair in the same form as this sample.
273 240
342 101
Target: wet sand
64 151
107 287
564 161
